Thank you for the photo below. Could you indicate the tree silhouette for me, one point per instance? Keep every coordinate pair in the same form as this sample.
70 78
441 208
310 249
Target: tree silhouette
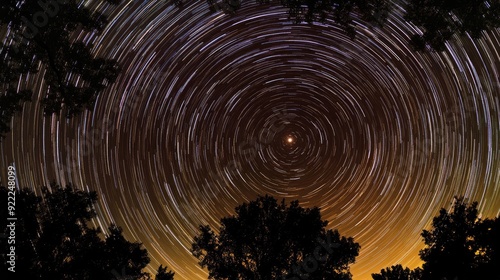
120 253
54 240
267 240
460 244
163 274
488 242
441 19
39 38
340 11
397 272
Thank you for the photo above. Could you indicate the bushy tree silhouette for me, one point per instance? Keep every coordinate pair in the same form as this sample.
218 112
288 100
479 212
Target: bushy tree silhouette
54 240
163 274
120 253
397 272
441 19
270 240
39 38
488 256
460 245
341 12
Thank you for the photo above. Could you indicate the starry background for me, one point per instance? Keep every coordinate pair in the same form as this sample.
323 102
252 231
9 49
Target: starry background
211 110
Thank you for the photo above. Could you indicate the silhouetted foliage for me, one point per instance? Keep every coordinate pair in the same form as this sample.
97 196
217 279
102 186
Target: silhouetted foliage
163 274
179 3
54 240
120 253
488 241
397 272
267 240
461 245
38 38
441 19
341 12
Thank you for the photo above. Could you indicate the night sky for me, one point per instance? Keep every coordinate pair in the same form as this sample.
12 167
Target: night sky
211 110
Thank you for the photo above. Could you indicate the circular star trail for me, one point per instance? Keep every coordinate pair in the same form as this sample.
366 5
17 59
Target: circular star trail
211 110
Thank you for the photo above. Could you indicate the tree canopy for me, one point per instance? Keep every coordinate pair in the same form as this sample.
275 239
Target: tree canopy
440 20
164 274
40 38
270 240
460 245
341 11
397 272
54 239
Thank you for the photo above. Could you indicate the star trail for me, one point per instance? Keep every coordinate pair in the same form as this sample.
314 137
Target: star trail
211 110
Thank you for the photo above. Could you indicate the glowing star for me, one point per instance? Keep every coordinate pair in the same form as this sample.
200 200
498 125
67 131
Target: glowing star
289 139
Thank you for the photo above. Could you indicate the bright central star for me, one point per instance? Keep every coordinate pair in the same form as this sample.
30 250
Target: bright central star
289 139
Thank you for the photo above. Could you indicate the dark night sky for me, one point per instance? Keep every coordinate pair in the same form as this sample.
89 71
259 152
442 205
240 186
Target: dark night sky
200 119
